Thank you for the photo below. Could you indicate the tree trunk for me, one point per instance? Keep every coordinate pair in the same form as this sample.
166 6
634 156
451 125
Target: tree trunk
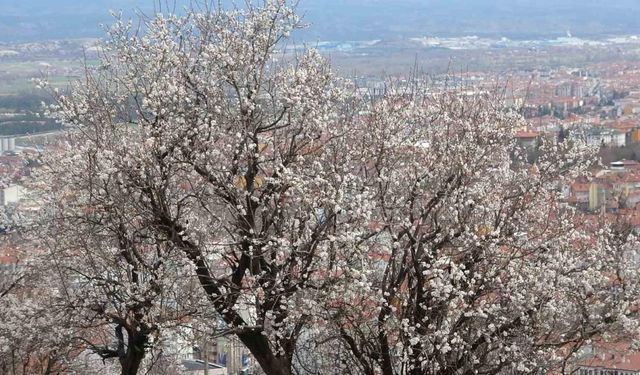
135 354
271 364
131 363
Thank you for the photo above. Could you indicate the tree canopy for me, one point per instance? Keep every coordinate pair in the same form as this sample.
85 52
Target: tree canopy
212 175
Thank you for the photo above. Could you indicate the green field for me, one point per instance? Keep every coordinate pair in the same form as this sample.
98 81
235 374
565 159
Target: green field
16 76
22 85
20 99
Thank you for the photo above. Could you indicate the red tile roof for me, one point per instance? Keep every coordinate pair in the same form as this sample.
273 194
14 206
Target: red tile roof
614 356
526 134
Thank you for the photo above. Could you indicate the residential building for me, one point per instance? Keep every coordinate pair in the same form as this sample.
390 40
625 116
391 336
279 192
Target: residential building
609 359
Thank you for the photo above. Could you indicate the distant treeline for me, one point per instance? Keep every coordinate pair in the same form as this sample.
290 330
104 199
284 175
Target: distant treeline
22 128
31 102
29 118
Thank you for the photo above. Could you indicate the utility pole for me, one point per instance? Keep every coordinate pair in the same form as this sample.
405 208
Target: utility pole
205 354
234 363
231 357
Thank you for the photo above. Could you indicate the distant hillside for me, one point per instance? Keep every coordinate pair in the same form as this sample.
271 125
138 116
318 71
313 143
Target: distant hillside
357 19
372 19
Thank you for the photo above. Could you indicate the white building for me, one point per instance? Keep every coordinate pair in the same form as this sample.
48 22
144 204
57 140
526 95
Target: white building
9 195
7 144
608 137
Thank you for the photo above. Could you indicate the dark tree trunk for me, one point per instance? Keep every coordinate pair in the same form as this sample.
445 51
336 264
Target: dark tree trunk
270 363
132 356
135 354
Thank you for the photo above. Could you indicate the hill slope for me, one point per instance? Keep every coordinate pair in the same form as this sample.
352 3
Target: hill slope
357 19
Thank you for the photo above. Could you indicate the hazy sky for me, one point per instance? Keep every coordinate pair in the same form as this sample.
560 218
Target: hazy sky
357 19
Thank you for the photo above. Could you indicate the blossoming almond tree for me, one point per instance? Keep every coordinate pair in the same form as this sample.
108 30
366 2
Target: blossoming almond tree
117 286
408 229
34 336
191 139
474 263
